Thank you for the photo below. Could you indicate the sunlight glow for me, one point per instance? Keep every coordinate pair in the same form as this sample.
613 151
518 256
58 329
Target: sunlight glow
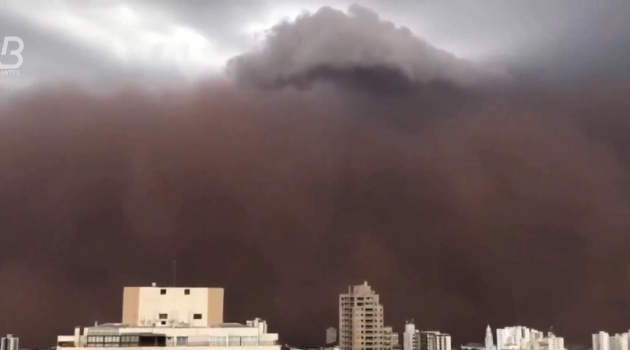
143 37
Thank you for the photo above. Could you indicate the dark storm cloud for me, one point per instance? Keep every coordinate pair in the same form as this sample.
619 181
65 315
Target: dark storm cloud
353 48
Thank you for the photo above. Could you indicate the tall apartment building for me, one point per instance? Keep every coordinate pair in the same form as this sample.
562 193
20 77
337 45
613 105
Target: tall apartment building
411 336
434 340
10 343
172 318
361 320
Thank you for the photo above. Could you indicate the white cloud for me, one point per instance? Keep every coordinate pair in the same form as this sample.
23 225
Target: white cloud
130 34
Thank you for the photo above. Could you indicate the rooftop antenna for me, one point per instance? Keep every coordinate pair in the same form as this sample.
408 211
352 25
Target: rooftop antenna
174 273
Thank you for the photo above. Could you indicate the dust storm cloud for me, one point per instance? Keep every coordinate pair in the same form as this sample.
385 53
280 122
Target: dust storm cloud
461 206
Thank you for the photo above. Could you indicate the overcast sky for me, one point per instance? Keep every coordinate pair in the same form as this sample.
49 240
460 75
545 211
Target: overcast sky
103 42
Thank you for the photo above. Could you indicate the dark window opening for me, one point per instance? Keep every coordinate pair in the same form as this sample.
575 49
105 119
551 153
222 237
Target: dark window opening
187 291
163 323
197 316
163 316
162 291
100 341
152 340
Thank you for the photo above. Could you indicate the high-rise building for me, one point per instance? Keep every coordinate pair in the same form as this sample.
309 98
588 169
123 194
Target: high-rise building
434 340
331 335
10 343
361 325
410 336
601 341
489 344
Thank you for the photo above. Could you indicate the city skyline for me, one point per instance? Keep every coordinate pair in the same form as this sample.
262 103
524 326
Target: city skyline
168 307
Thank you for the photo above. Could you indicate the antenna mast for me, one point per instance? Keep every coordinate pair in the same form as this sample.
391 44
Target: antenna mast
174 273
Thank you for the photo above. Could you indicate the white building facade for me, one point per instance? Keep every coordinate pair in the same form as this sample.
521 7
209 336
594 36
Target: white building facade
410 336
9 342
171 323
489 341
156 306
550 342
603 341
331 335
434 340
619 342
517 338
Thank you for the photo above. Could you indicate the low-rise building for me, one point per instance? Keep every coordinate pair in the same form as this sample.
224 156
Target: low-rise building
517 338
473 346
166 318
390 338
331 335
550 342
434 340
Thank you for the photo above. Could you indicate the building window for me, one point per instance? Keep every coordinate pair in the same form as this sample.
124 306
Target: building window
163 323
249 341
218 341
197 316
162 291
182 341
187 291
234 340
163 316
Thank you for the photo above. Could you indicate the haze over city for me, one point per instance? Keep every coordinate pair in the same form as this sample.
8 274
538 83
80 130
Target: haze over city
468 158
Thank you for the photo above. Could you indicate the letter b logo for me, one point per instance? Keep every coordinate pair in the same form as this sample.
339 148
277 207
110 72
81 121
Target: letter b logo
15 52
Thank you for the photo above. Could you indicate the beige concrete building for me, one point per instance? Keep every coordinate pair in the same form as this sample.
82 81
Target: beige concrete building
172 318
172 306
395 340
391 340
361 320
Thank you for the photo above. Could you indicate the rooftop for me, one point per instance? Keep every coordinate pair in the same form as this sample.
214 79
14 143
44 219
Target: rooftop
122 325
230 325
